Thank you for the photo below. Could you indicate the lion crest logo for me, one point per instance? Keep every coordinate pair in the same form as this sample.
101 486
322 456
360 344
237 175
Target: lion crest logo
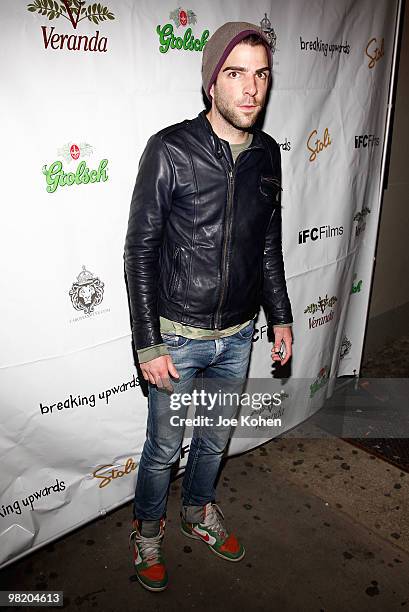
269 32
87 291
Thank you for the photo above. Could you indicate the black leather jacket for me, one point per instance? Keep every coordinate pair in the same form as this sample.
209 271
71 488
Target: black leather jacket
203 245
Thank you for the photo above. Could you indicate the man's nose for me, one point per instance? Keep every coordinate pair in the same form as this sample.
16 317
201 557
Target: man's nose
250 85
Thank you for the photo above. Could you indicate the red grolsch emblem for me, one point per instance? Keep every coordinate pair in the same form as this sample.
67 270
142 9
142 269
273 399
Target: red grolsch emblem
182 17
75 151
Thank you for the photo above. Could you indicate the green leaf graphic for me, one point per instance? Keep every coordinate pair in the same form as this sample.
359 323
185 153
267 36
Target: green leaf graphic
95 12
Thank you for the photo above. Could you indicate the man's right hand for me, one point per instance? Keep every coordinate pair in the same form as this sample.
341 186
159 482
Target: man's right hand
157 371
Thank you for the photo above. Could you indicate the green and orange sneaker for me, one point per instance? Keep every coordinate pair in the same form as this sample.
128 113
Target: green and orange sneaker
212 531
147 557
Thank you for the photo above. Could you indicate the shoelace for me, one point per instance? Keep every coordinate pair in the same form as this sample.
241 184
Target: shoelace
148 547
213 521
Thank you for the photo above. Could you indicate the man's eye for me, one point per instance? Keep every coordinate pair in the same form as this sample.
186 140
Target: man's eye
262 75
233 72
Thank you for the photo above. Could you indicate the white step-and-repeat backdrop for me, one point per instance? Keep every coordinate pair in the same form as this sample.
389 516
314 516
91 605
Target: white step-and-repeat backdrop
84 85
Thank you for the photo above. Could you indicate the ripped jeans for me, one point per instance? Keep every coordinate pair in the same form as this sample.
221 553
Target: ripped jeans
223 359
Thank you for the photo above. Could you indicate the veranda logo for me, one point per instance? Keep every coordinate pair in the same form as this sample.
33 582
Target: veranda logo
345 347
168 40
55 175
321 305
73 11
359 217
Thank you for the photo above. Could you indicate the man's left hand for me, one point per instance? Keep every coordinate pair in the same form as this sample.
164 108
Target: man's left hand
285 334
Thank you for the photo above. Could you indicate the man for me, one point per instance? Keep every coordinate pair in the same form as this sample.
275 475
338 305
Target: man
202 252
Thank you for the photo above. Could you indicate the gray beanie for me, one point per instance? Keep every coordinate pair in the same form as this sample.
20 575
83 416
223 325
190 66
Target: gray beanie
220 45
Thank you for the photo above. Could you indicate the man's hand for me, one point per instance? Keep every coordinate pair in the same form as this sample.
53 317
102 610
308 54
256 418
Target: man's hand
157 371
282 333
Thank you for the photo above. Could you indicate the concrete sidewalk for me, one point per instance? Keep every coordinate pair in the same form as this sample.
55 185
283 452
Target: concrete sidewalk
325 526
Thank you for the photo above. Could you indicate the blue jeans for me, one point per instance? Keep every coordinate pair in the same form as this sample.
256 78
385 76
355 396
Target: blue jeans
223 359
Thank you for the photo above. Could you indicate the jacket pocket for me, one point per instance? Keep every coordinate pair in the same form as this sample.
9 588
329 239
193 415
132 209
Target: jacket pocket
175 274
270 189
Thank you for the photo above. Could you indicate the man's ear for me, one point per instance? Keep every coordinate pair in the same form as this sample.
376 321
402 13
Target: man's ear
211 90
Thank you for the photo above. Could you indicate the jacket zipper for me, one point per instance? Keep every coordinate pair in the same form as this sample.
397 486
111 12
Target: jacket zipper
225 243
174 271
229 216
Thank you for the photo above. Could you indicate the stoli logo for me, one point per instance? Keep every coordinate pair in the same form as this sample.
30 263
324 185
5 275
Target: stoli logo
316 146
374 51
73 11
108 473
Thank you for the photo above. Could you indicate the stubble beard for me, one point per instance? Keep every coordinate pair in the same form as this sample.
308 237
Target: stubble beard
232 115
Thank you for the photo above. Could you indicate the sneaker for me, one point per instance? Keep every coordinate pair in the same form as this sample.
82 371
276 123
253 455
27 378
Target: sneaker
212 531
147 557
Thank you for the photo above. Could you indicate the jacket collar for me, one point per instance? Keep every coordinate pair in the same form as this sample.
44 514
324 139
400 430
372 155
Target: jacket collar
219 143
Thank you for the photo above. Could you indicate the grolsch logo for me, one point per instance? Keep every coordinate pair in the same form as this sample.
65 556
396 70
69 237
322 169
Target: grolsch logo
168 40
56 176
320 381
356 285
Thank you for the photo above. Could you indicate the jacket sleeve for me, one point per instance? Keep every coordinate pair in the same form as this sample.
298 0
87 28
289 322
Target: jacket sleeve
151 352
150 207
275 298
